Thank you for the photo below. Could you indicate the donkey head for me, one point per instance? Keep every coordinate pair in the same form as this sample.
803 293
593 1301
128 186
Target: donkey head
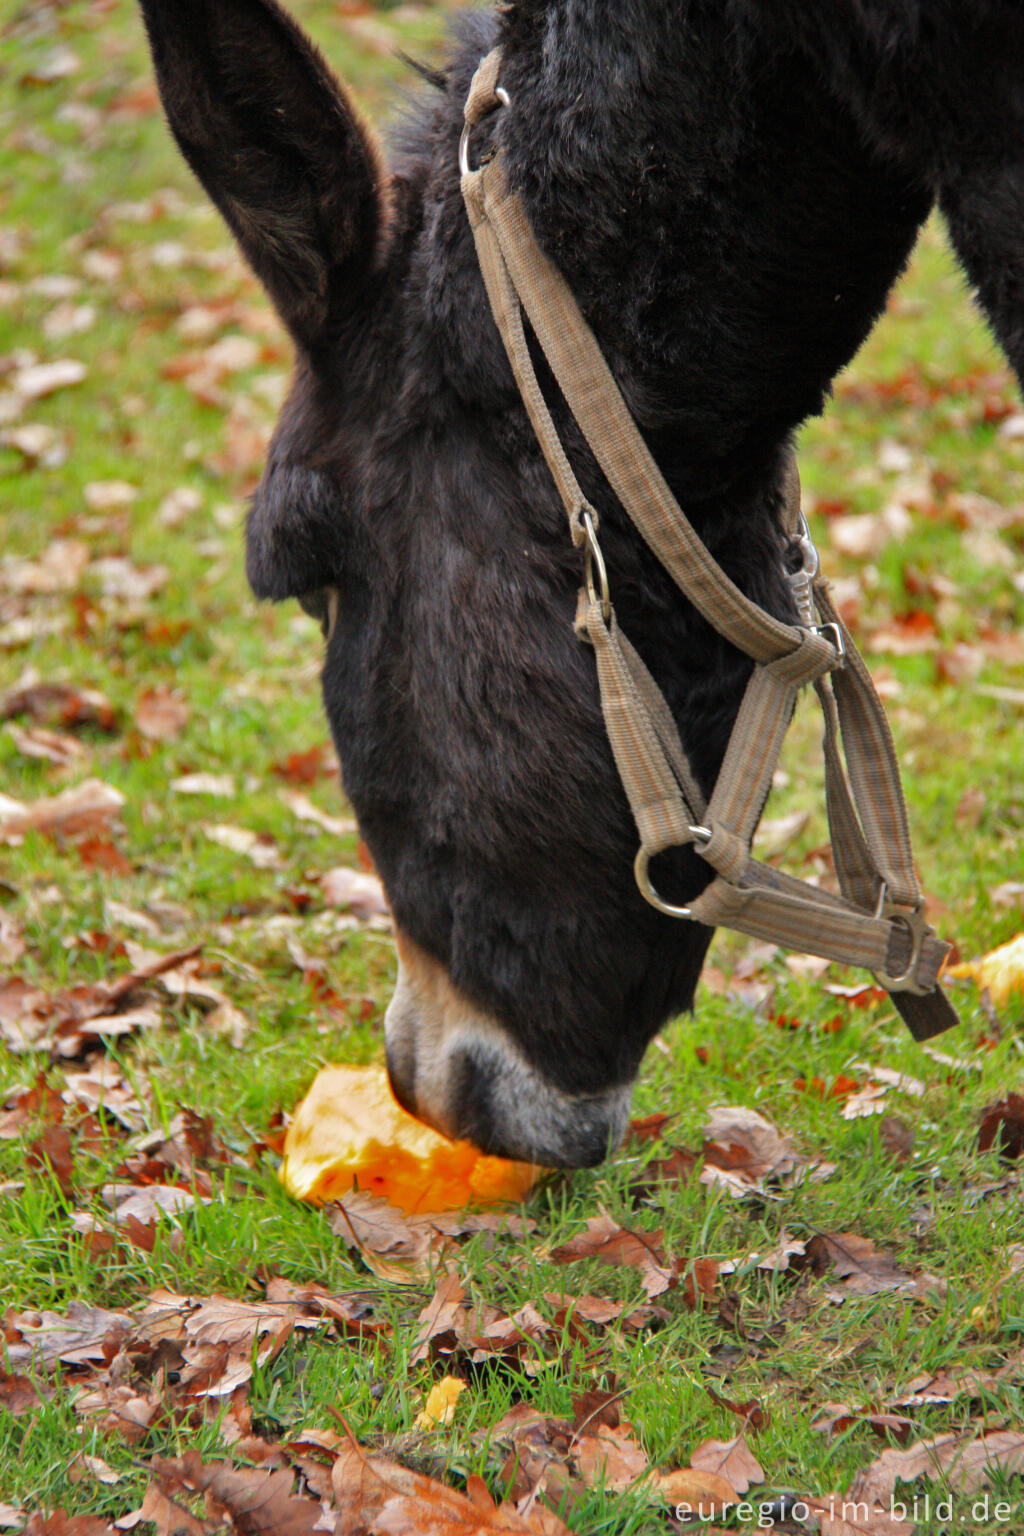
403 478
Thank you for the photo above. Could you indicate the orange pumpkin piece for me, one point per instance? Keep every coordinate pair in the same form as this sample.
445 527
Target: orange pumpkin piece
350 1132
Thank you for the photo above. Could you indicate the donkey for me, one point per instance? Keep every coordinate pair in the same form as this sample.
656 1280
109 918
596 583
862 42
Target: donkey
730 188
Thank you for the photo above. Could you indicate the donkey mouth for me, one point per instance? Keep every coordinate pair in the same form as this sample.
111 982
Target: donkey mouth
453 1066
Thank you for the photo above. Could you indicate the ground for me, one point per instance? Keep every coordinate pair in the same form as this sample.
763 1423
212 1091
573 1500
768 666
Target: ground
193 714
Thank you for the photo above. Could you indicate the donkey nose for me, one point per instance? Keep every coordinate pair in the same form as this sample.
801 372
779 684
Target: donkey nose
455 1067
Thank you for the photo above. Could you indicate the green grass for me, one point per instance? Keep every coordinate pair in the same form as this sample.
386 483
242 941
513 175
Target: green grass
249 676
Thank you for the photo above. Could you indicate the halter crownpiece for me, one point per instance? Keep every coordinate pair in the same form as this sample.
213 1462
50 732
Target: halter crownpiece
878 920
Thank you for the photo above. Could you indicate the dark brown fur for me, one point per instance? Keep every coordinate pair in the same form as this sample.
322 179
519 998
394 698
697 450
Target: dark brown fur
731 187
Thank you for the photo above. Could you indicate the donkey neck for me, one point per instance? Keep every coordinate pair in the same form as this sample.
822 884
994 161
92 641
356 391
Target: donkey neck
693 206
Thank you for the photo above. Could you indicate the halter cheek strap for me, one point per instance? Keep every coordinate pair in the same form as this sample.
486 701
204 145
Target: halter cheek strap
878 921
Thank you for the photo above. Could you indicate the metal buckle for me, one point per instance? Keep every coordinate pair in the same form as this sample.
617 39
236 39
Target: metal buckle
467 128
646 886
913 919
833 633
801 581
595 558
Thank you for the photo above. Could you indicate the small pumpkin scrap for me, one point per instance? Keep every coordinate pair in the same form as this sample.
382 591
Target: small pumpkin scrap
350 1132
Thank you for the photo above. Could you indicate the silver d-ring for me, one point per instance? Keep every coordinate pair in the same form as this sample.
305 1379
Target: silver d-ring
504 100
596 558
646 887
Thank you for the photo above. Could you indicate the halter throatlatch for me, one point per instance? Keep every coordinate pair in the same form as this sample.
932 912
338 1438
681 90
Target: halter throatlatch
878 920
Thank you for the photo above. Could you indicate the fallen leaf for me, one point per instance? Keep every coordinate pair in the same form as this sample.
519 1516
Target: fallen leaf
404 1248
1002 1127
44 745
257 1501
161 714
897 1138
965 1462
732 1460
695 1493
70 811
373 1493
1000 972
303 807
260 847
439 1315
864 1270
41 379
606 1240
843 1515
109 495
611 1458
59 569
354 891
220 785
743 1152
442 1401
59 704
86 1335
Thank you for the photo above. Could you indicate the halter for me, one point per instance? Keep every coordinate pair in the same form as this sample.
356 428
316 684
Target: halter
878 920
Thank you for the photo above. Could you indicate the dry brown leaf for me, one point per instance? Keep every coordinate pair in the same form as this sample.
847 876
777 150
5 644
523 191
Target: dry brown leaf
58 1523
58 569
863 1270
696 1493
743 1152
38 380
172 1517
963 1461
257 1501
303 807
376 1495
839 1515
354 891
440 1315
260 847
944 1386
161 714
43 745
836 1418
606 1240
218 785
731 1459
775 1261
1002 1127
404 1248
59 704
18 1395
87 805
85 1336
610 1458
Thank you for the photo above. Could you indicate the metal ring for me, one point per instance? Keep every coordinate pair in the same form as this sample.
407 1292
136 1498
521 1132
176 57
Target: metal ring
595 557
913 920
504 100
646 886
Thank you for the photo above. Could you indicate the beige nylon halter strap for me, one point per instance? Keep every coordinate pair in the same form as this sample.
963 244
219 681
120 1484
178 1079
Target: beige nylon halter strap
877 922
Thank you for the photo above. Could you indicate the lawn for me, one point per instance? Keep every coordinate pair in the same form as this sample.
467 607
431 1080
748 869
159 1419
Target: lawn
800 1318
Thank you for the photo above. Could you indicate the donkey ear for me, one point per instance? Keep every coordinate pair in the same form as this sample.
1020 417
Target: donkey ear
269 132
